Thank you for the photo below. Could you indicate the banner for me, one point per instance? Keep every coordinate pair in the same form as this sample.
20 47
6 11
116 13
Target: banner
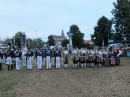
23 41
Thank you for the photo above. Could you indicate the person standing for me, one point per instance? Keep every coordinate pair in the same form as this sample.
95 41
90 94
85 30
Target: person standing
92 56
66 57
75 58
57 55
24 57
2 55
29 58
0 61
99 57
107 60
83 55
17 58
112 58
48 55
39 56
14 59
9 54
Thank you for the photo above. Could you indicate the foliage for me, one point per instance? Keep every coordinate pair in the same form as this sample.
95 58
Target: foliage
102 32
64 42
30 42
88 45
35 42
121 19
77 37
50 41
17 38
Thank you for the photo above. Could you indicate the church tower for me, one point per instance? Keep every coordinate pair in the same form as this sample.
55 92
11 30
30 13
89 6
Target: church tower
62 33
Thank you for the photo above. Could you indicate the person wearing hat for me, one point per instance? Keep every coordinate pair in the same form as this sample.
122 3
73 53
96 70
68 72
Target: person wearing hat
48 55
66 57
39 55
29 58
17 58
57 55
9 54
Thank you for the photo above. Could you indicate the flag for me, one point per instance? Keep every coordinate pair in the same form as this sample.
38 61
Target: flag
23 41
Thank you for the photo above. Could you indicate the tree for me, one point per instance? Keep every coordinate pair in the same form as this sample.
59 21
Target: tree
51 40
77 37
30 43
33 43
38 42
102 32
17 38
64 42
121 19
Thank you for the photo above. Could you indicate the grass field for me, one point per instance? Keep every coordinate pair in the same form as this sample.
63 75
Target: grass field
85 82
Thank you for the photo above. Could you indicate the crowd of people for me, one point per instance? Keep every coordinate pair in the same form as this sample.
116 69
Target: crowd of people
81 57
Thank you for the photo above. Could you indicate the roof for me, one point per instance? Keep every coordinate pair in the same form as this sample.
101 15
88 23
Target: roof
88 42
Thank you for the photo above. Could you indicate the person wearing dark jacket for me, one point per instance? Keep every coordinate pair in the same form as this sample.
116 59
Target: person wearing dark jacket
39 56
29 58
48 55
9 54
57 55
17 57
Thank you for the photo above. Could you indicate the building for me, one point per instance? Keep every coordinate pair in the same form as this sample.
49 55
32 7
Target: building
88 42
59 38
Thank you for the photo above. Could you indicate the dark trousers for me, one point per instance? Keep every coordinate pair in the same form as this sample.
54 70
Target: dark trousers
10 67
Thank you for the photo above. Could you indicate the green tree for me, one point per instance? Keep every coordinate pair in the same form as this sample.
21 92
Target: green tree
64 42
35 42
38 42
121 19
17 38
102 32
30 43
51 41
77 37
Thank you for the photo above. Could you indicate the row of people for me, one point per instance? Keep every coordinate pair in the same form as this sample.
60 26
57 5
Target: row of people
13 58
93 56
81 57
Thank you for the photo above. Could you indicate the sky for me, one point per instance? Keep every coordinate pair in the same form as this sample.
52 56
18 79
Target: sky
41 18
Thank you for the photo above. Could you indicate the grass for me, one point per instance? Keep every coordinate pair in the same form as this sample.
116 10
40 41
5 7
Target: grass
85 82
